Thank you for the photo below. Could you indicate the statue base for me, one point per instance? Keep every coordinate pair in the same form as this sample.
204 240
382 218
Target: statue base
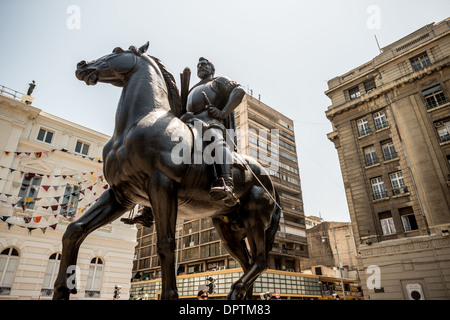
27 99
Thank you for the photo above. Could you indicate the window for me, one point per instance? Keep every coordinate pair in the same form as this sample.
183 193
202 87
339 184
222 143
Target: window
398 184
286 125
420 61
29 190
389 152
70 200
434 97
287 135
354 93
380 120
45 136
443 130
387 223
379 191
51 274
9 259
370 156
94 278
370 85
363 127
408 219
82 147
190 240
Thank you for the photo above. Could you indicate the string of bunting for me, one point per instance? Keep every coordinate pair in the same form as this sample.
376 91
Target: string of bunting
46 211
39 154
34 221
64 176
30 176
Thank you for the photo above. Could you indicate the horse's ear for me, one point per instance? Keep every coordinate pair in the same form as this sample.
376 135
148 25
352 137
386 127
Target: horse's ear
144 48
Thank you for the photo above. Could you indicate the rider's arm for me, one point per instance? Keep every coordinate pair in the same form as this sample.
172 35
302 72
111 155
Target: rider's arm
233 91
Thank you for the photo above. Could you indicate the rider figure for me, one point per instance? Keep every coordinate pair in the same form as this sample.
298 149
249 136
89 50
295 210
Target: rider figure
216 110
213 100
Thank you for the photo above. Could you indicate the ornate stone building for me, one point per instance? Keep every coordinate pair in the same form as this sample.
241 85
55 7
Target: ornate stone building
50 173
391 129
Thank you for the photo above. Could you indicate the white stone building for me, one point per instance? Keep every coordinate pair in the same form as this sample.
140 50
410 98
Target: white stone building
50 173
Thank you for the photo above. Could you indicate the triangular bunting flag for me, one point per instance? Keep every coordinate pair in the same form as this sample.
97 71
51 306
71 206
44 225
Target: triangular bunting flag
46 187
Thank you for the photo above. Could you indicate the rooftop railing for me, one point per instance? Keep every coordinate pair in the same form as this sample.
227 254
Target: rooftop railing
11 92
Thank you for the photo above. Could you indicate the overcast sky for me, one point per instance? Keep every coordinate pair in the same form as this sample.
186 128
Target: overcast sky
286 51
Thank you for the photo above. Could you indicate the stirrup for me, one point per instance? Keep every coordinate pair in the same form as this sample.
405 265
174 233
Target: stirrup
223 192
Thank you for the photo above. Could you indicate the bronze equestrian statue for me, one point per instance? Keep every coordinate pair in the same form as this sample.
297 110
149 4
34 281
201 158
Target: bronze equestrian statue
139 167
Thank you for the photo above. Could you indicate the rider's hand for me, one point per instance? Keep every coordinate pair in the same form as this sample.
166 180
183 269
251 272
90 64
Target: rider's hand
216 113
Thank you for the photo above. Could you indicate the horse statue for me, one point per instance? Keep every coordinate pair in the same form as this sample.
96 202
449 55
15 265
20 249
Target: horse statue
139 169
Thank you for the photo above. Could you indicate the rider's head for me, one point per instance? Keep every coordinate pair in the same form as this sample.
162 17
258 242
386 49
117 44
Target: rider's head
205 68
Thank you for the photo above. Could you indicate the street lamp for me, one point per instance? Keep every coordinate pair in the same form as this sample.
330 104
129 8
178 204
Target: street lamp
339 262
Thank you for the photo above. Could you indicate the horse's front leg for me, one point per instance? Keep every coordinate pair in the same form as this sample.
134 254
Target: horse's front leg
104 211
164 201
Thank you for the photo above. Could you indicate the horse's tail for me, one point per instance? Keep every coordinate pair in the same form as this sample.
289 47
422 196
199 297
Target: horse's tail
274 223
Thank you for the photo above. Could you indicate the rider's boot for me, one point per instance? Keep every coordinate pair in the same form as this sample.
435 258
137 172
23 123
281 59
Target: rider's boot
223 187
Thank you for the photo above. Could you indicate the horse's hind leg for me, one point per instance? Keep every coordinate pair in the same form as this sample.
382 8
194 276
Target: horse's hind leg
233 240
104 211
256 215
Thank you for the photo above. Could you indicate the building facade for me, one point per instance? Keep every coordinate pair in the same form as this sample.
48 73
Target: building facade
331 245
199 249
50 174
312 221
391 120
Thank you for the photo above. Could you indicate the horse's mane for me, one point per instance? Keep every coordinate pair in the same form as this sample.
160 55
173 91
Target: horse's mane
174 94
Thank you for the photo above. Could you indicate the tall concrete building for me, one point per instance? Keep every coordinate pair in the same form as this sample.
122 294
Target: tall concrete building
199 248
50 173
391 129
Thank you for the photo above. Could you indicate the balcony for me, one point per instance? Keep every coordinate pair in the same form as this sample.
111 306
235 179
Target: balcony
400 191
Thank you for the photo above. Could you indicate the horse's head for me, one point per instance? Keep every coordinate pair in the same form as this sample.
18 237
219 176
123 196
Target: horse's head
112 68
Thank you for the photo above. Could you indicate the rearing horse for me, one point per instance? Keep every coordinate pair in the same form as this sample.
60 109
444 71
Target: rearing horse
139 169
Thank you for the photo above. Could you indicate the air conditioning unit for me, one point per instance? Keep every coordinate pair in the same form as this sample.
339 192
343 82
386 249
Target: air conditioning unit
414 291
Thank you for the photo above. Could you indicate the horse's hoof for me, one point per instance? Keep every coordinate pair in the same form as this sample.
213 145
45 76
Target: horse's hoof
237 292
170 295
61 293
